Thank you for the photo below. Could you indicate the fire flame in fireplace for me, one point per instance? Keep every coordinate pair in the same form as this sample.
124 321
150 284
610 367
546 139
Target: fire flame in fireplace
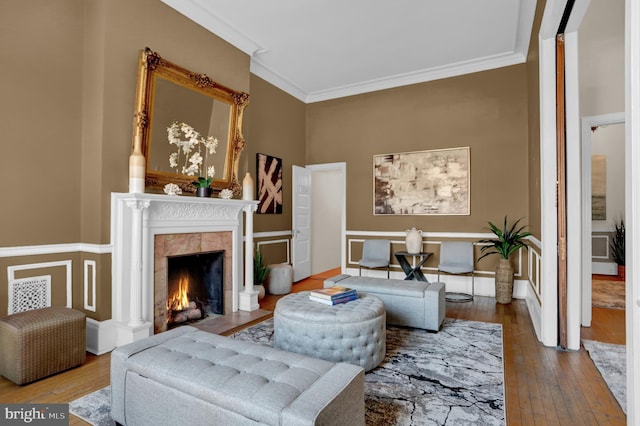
179 300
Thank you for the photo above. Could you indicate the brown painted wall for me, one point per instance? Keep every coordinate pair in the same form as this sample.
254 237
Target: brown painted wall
40 108
68 82
533 89
485 111
274 125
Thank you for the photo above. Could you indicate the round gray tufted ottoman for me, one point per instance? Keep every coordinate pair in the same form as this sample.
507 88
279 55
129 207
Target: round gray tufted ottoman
352 332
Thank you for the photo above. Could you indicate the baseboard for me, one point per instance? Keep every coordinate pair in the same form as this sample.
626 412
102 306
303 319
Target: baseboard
100 336
604 268
534 312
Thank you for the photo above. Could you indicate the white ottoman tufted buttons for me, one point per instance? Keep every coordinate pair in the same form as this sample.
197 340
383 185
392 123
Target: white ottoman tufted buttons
353 332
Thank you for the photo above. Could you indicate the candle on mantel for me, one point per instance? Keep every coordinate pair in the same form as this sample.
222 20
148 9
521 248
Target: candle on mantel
247 187
136 168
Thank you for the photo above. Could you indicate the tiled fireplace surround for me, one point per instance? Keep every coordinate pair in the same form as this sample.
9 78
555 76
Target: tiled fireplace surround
145 229
183 244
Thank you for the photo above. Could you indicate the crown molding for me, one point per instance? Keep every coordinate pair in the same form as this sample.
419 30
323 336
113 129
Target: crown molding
277 80
194 10
199 14
431 74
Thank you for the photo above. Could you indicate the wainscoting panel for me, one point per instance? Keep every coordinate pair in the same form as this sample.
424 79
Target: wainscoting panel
57 274
274 246
484 275
67 264
89 290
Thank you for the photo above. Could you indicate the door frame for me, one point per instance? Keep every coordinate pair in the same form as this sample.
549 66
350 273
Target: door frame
342 168
587 228
553 10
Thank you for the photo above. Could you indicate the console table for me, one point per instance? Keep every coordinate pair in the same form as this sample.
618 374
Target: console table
412 272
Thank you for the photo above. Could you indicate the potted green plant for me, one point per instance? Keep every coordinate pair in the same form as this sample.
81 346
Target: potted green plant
260 272
618 247
509 239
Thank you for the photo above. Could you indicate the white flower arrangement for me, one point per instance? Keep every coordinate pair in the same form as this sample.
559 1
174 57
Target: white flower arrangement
188 158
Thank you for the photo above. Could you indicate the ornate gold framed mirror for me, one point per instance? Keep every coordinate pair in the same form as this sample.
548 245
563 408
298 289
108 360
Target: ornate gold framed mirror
167 94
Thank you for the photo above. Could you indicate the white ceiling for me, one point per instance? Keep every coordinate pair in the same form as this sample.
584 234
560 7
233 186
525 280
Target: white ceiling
323 49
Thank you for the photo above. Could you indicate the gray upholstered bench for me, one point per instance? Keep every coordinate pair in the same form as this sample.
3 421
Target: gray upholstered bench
190 376
353 332
416 304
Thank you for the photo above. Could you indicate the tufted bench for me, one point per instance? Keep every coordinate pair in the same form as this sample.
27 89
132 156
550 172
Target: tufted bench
41 342
188 376
353 332
409 303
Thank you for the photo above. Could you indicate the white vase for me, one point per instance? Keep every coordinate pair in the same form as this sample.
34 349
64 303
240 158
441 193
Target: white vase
248 190
136 169
413 240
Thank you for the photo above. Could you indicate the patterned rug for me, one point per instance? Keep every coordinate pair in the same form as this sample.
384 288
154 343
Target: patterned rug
94 408
608 293
451 377
611 362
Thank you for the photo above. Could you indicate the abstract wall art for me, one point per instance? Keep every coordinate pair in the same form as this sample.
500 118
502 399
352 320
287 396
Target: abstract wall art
269 171
598 187
434 182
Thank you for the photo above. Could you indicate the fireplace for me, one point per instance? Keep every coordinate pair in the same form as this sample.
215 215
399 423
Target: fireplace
148 229
195 287
194 257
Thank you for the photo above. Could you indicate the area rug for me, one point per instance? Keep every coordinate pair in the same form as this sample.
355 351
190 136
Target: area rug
451 377
608 293
94 408
611 362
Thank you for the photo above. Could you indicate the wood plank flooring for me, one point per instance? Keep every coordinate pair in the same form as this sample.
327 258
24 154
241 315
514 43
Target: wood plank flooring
543 386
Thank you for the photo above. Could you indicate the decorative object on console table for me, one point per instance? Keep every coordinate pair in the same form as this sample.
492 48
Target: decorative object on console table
509 240
248 188
413 240
269 171
432 182
618 247
260 273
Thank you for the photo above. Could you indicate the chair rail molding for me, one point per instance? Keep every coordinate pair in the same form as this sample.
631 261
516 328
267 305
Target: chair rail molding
55 248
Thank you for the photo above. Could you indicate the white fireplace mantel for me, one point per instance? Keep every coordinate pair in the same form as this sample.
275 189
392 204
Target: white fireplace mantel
136 218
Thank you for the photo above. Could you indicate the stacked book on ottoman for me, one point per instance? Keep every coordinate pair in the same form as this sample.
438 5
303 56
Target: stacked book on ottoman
333 295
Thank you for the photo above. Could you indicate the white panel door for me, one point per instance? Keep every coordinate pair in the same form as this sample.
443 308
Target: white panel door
301 218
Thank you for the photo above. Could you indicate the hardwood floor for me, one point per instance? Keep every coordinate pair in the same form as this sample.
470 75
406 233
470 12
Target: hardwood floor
543 386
